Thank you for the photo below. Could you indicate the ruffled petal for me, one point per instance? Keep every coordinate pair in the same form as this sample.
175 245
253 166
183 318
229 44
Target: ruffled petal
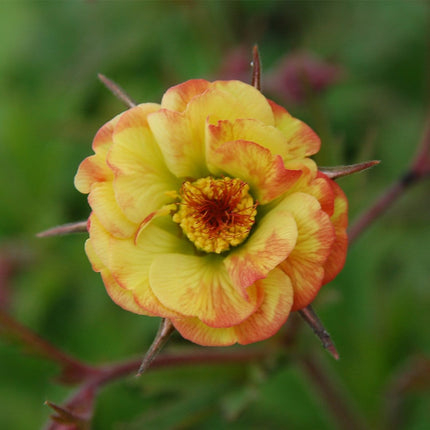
323 192
198 332
94 168
181 134
141 176
122 297
182 147
302 140
105 207
273 312
227 101
312 182
177 98
315 238
129 263
251 130
263 172
248 102
304 164
262 324
337 257
198 286
272 241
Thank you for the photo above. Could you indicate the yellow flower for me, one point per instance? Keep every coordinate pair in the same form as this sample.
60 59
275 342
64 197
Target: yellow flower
207 210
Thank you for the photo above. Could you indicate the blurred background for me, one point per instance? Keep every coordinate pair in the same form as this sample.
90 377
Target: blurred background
357 72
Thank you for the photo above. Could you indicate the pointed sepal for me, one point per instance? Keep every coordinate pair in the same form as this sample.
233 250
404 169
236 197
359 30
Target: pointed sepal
74 227
256 68
164 331
311 318
75 414
339 171
117 91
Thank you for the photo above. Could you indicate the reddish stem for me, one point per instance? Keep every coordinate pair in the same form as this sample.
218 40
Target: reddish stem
73 370
381 205
87 391
114 371
418 170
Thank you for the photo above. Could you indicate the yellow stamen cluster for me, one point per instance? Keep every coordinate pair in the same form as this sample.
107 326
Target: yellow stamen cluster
216 214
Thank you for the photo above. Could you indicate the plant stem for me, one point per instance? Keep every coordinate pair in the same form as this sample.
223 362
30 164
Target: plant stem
73 370
381 205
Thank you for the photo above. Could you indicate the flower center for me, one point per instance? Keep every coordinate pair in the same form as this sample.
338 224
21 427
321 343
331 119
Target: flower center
216 214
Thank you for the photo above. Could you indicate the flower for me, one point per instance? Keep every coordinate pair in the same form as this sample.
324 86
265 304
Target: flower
206 210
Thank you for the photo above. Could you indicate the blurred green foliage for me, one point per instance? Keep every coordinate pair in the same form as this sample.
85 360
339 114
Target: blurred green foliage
51 106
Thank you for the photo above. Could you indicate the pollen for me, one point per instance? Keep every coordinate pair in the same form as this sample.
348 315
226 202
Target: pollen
216 214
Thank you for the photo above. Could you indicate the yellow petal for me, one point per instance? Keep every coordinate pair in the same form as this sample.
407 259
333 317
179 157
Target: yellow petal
272 241
164 211
122 297
227 100
313 183
94 168
105 207
248 102
316 235
273 312
262 171
196 331
176 98
129 263
182 148
181 135
304 164
302 140
141 176
200 286
339 219
262 324
247 129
